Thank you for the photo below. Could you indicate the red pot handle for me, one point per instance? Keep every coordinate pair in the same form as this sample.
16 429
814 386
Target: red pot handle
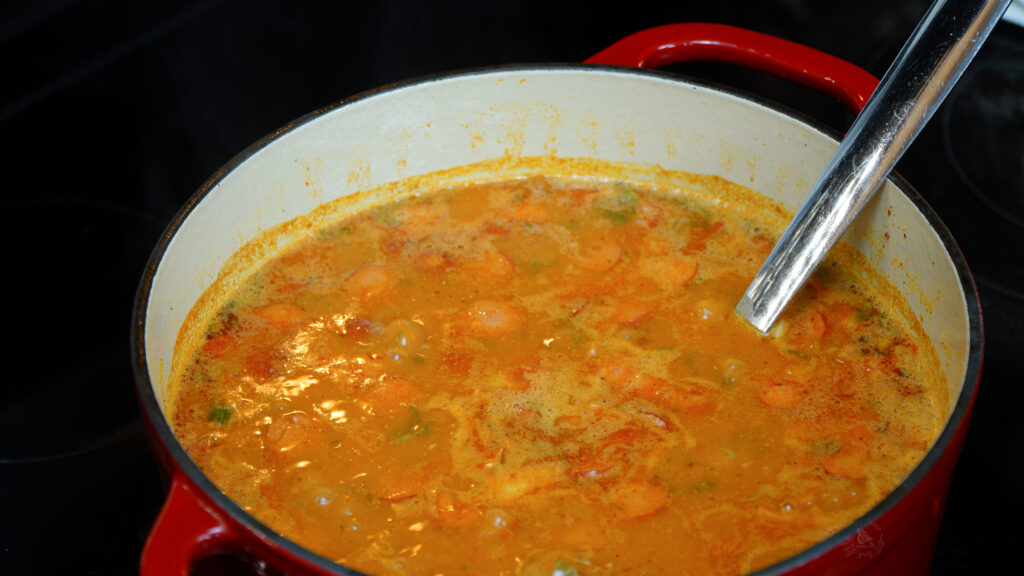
664 45
186 531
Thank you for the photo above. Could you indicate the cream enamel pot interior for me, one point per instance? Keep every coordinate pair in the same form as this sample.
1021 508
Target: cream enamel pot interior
605 113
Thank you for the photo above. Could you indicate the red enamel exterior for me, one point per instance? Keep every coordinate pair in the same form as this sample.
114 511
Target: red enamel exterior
900 541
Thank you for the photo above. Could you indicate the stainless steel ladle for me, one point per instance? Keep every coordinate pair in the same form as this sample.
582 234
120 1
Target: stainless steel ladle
923 73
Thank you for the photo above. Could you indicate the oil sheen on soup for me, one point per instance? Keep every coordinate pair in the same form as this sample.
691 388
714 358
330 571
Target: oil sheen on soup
544 376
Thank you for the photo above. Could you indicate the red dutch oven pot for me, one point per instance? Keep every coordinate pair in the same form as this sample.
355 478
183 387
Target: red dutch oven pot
447 121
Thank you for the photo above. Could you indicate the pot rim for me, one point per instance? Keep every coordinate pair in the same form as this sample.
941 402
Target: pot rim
161 427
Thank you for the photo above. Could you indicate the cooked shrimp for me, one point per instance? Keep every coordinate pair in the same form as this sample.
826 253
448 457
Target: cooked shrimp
781 396
594 466
673 271
391 392
492 319
493 266
599 255
453 513
401 340
432 262
498 523
219 344
637 499
805 330
529 213
850 461
399 485
631 312
615 370
690 396
713 309
281 314
369 281
295 434
583 535
418 220
526 481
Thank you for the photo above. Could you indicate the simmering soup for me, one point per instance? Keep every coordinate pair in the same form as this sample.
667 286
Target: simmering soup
545 376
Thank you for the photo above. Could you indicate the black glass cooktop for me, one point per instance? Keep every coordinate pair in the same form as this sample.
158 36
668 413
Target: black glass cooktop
112 113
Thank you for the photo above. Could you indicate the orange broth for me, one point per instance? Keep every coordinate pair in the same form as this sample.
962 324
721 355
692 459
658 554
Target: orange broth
545 376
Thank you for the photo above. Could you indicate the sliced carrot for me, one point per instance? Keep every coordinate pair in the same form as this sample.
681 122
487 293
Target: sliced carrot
698 238
701 235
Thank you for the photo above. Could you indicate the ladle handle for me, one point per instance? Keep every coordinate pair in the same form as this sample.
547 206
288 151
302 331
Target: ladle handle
923 73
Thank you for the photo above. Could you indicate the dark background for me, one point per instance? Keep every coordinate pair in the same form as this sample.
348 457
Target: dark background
113 113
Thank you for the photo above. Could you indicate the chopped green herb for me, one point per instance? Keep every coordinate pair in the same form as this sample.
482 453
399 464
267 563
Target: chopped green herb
829 447
198 373
699 217
867 351
824 275
335 231
220 413
563 568
412 429
703 485
388 215
578 338
536 266
616 218
619 209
